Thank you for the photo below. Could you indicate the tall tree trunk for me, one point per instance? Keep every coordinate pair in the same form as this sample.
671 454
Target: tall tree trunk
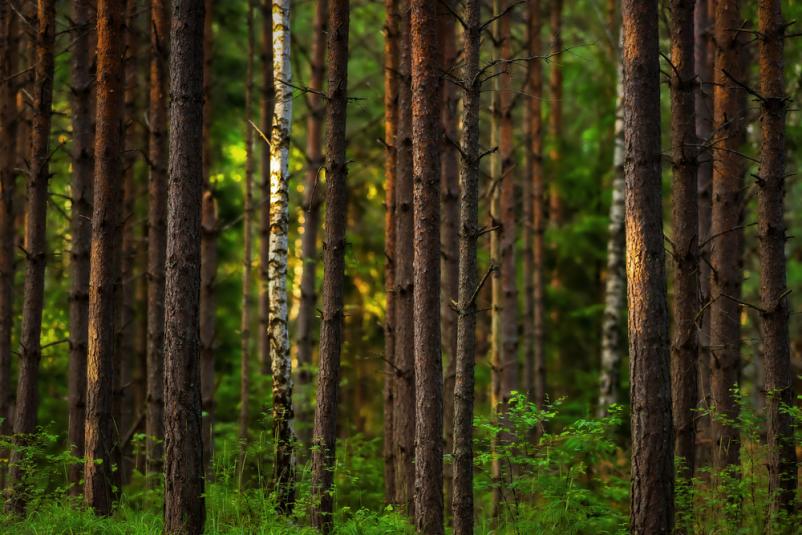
331 329
277 272
312 200
652 496
390 147
534 220
83 162
462 501
684 343
184 507
426 99
208 252
773 291
727 241
157 233
404 354
35 247
449 228
247 257
556 118
104 275
703 60
9 119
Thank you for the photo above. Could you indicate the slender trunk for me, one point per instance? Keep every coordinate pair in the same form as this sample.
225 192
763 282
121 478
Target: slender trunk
157 237
312 200
462 500
104 274
331 329
404 413
83 162
727 240
534 221
703 60
277 271
773 291
35 247
426 99
390 147
208 253
652 495
247 260
556 119
9 118
184 507
684 343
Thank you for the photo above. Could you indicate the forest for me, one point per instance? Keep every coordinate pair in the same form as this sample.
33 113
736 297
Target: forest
400 266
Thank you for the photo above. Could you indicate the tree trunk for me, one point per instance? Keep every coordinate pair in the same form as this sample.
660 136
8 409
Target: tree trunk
312 200
277 272
35 247
652 493
426 99
782 460
685 228
462 501
83 162
703 60
727 241
556 119
184 507
390 147
404 413
157 234
208 253
104 275
331 330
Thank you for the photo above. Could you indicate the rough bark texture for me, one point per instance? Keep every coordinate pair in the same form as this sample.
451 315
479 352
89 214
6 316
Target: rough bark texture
208 252
652 494
104 274
703 60
313 197
462 500
81 187
277 272
727 241
390 125
331 328
782 462
157 236
426 99
685 228
534 221
184 507
35 246
404 413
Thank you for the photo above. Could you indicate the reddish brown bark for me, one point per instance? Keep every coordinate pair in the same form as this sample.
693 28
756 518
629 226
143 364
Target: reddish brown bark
555 117
184 507
782 462
331 328
652 494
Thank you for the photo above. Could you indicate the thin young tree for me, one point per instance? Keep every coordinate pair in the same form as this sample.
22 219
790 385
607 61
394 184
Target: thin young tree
684 342
390 125
333 317
462 499
555 118
277 272
652 495
782 462
727 239
157 233
404 355
426 99
35 248
81 188
104 273
184 507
